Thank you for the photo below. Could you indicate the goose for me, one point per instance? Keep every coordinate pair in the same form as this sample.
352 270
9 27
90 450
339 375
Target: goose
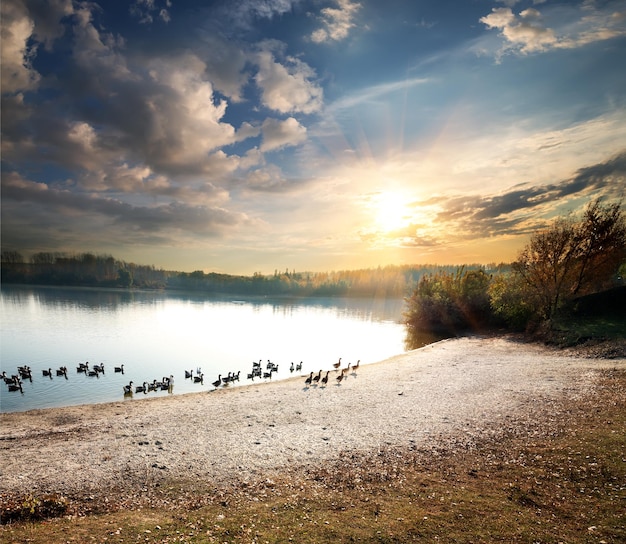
339 378
309 379
268 374
317 377
337 364
119 369
292 367
217 382
198 379
325 378
16 387
235 377
188 374
62 371
99 368
299 366
228 378
344 371
128 389
142 388
47 372
82 367
355 366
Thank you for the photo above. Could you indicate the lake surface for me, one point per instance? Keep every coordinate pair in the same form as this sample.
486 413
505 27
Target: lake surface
155 334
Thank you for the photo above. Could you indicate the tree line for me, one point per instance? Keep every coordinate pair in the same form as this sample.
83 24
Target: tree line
558 271
89 269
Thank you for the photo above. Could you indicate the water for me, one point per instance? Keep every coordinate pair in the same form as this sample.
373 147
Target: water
161 334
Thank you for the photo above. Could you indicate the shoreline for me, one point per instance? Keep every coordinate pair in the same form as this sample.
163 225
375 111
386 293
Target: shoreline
453 393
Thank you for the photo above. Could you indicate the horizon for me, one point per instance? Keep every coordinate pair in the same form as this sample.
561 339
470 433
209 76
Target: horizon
320 135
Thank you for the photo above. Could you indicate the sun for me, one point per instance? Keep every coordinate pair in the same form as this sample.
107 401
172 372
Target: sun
390 211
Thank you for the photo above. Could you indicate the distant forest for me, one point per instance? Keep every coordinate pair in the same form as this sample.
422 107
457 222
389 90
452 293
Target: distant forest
88 269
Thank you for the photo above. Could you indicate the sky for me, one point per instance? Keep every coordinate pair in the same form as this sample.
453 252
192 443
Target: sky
245 136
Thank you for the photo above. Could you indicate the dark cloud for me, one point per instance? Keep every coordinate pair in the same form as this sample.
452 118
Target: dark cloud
42 208
511 212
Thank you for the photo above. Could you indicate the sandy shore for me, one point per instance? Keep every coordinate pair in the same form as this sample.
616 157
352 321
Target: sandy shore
453 393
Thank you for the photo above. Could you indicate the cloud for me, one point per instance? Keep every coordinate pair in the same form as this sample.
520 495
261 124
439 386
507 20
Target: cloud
146 10
243 13
572 26
336 22
287 88
16 67
511 212
48 206
525 32
278 134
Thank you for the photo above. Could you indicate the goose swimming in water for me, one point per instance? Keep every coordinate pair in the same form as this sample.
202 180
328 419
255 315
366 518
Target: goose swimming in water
128 389
119 369
47 372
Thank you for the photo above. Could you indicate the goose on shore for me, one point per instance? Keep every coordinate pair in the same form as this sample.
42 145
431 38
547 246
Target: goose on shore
217 382
317 377
309 379
325 378
339 378
337 364
355 366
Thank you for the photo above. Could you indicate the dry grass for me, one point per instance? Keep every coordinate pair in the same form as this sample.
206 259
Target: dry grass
563 480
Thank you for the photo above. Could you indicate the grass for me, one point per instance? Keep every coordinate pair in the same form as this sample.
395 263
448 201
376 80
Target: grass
563 480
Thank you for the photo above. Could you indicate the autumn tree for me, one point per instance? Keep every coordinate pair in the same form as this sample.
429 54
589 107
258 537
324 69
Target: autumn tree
572 257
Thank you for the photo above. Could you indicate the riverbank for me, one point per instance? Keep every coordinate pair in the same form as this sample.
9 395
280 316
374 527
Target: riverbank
450 395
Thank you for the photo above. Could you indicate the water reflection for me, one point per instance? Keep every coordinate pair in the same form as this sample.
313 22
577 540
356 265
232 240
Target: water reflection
157 334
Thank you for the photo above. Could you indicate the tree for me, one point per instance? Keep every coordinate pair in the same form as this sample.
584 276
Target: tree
572 257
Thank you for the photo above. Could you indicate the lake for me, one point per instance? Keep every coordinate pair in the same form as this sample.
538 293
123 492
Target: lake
156 334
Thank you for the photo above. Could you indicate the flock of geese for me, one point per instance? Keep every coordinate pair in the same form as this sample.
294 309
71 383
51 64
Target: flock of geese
317 379
259 370
15 381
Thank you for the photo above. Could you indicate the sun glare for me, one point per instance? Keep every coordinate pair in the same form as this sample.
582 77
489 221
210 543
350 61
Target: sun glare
390 211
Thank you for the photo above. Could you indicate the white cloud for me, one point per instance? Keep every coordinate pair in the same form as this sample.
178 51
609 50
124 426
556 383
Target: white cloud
287 88
524 32
572 26
17 28
278 134
336 22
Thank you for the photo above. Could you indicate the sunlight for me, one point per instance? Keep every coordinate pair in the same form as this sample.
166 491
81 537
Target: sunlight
390 211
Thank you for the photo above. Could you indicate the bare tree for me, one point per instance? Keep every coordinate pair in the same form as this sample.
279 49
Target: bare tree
573 257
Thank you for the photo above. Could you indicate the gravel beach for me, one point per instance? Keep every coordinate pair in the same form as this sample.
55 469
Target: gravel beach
449 394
